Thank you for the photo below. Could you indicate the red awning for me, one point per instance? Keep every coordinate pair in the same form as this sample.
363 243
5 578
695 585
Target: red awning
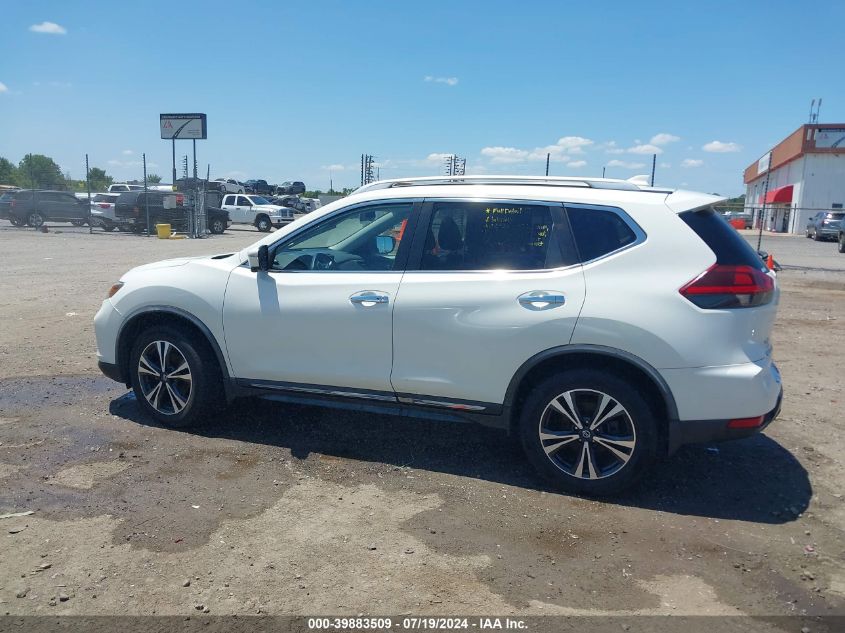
781 194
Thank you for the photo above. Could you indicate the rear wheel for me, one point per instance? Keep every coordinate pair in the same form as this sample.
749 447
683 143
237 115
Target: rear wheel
842 242
816 237
262 223
588 432
35 220
78 222
175 377
16 221
108 227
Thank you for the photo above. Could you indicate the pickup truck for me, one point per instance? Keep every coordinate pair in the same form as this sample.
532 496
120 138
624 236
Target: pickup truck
165 208
120 187
257 211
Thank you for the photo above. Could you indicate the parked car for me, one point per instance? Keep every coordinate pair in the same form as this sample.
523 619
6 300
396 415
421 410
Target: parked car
737 215
840 234
259 186
33 207
120 187
102 212
164 208
231 185
289 187
5 202
558 309
825 225
257 211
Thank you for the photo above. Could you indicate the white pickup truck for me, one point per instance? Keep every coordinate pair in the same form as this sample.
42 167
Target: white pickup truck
257 211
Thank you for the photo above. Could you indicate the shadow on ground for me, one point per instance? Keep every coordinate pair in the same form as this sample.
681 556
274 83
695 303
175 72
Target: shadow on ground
748 480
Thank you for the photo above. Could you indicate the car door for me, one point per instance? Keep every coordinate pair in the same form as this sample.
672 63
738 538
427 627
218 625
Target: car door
490 283
321 318
244 209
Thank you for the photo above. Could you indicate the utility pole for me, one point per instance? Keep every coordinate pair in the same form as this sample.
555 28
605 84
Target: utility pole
653 165
602 171
548 157
765 194
146 197
88 187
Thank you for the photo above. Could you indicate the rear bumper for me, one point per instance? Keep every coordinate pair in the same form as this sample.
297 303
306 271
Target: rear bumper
703 431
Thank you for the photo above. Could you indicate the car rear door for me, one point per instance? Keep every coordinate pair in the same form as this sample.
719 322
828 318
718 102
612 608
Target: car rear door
490 283
320 321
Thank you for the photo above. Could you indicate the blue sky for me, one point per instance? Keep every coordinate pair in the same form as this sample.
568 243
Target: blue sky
299 90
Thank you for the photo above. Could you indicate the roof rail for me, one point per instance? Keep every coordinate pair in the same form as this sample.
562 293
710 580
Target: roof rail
553 181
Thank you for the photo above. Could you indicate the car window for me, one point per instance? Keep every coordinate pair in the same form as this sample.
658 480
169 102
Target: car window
243 201
363 239
490 236
259 200
599 231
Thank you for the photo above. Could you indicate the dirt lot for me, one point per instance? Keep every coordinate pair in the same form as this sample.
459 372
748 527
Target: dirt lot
292 510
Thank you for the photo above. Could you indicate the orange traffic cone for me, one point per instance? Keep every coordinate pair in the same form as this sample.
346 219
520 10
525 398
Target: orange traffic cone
770 262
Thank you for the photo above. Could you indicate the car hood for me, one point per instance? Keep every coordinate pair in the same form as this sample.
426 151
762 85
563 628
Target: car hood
165 263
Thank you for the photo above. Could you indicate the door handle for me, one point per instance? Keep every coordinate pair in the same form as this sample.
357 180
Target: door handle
368 298
541 299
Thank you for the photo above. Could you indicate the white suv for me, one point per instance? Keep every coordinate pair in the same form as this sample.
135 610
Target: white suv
603 322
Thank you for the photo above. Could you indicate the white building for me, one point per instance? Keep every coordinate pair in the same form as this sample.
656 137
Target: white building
806 174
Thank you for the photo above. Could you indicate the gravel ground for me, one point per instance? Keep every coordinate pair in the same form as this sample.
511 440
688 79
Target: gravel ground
290 510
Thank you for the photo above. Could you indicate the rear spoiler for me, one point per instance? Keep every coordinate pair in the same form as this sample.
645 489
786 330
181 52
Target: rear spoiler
681 200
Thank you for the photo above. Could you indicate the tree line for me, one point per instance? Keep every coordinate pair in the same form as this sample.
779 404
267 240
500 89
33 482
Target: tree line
37 171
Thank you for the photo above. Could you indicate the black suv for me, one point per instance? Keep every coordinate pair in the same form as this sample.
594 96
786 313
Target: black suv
164 208
33 207
258 186
291 188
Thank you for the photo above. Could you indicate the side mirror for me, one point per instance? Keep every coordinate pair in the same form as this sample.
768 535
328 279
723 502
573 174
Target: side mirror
385 244
259 259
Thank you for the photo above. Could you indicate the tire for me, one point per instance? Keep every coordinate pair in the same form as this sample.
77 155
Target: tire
583 462
263 224
78 222
35 220
841 243
191 392
108 227
16 221
816 237
217 226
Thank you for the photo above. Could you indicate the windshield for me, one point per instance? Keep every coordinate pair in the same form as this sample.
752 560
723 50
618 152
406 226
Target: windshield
259 200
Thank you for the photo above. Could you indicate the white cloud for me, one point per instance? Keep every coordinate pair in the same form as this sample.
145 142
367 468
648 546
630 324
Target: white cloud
645 149
131 163
127 152
664 138
720 148
334 167
3 88
665 165
48 28
501 155
449 81
691 162
437 157
625 165
575 164
615 150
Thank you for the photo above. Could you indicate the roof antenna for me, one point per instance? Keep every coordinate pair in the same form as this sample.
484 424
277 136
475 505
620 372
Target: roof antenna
812 105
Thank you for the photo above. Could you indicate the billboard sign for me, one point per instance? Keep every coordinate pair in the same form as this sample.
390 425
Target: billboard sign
183 126
763 164
831 138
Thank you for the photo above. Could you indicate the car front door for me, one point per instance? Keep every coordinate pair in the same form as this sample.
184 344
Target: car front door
489 285
320 320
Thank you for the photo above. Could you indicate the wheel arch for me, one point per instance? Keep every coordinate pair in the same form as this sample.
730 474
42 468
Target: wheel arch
618 362
166 315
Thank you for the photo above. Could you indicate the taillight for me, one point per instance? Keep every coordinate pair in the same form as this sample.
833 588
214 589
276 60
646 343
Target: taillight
745 423
722 286
180 199
103 205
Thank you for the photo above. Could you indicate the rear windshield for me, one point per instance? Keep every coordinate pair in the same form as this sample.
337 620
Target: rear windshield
729 246
835 216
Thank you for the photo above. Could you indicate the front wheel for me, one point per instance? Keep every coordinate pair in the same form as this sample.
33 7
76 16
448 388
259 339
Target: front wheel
588 432
78 222
816 237
262 223
35 220
217 226
17 221
175 377
842 243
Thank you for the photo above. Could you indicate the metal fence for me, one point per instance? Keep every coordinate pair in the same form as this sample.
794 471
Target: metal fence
776 218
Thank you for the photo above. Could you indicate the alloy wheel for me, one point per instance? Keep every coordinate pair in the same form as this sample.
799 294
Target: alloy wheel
587 434
165 377
35 220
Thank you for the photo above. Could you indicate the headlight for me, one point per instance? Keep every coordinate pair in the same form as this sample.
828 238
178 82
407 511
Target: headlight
113 290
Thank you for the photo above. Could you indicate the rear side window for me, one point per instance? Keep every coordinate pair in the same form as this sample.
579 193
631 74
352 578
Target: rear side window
599 232
490 236
729 246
